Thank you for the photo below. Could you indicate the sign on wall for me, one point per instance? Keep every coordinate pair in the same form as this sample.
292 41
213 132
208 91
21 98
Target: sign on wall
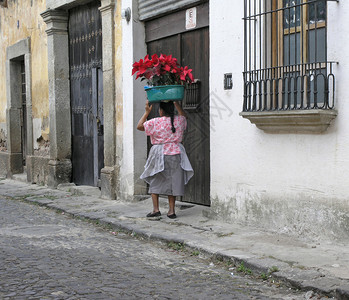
190 18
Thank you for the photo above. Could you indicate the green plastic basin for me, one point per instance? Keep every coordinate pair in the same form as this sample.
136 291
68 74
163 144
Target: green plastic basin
165 93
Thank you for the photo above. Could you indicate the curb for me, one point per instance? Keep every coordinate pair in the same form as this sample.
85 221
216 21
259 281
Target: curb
289 276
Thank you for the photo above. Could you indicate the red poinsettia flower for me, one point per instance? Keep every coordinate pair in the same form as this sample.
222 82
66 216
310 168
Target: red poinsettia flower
167 68
155 60
162 70
184 72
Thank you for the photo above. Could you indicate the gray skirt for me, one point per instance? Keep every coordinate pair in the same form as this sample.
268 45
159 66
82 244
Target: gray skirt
171 180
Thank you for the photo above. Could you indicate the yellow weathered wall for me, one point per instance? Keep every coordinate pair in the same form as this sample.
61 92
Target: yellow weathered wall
20 20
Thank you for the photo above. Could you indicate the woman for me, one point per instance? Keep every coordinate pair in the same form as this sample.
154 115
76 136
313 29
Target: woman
168 168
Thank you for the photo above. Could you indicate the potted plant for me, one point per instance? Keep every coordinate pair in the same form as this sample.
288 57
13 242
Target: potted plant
165 77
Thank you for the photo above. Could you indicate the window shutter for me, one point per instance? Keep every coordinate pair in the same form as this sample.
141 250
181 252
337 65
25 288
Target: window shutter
149 9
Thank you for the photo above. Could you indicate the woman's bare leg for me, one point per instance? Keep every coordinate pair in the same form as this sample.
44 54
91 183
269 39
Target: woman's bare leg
171 204
155 198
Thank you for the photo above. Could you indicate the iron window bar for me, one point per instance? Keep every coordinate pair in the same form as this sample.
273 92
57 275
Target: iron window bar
191 101
285 56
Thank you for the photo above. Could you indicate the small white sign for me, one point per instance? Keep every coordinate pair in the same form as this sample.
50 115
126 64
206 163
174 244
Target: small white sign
190 18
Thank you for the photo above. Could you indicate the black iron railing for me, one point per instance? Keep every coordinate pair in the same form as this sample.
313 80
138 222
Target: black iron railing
285 56
191 101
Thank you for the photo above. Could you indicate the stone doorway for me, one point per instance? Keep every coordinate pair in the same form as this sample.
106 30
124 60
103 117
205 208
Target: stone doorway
18 113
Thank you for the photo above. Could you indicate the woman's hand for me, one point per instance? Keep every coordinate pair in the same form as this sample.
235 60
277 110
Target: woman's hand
145 116
147 107
180 109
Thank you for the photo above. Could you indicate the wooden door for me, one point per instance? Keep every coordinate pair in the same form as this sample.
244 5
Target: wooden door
85 38
195 53
192 48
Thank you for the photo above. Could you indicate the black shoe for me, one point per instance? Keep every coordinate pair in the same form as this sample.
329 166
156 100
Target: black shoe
154 214
173 216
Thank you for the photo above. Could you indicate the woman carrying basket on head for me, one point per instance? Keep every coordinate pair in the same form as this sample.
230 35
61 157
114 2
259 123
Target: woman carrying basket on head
168 168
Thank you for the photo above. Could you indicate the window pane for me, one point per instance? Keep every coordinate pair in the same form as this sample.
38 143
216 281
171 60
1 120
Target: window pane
317 11
292 49
292 13
317 45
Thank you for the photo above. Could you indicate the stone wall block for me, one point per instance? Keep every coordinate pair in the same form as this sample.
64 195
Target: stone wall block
108 182
37 169
59 172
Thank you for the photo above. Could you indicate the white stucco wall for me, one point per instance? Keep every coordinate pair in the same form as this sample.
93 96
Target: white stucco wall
294 183
134 142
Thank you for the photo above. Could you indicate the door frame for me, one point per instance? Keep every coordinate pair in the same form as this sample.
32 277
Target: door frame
16 55
98 130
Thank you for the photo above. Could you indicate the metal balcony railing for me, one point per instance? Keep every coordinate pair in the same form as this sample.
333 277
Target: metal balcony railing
285 56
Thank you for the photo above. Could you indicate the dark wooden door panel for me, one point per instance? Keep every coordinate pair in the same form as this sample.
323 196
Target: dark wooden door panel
83 168
195 53
192 48
85 39
170 45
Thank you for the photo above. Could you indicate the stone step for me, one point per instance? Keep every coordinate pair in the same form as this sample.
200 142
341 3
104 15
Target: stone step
80 190
20 177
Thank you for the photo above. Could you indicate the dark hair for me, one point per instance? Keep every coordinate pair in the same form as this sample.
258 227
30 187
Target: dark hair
168 108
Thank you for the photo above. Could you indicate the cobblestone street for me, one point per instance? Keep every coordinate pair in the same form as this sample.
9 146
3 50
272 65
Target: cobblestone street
48 255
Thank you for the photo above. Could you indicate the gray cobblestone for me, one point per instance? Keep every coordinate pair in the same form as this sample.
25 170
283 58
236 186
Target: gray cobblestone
47 255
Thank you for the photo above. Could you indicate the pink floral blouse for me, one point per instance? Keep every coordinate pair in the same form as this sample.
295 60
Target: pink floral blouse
159 130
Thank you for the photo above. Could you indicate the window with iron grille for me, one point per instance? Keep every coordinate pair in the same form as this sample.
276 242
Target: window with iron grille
285 56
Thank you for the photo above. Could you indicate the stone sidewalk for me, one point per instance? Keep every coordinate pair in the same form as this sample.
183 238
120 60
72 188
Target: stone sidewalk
315 266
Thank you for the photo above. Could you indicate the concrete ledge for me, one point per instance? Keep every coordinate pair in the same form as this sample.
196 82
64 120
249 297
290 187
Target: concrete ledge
292 121
18 49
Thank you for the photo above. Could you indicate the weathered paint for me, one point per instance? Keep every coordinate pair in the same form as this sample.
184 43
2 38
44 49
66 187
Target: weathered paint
118 78
294 183
20 20
134 151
